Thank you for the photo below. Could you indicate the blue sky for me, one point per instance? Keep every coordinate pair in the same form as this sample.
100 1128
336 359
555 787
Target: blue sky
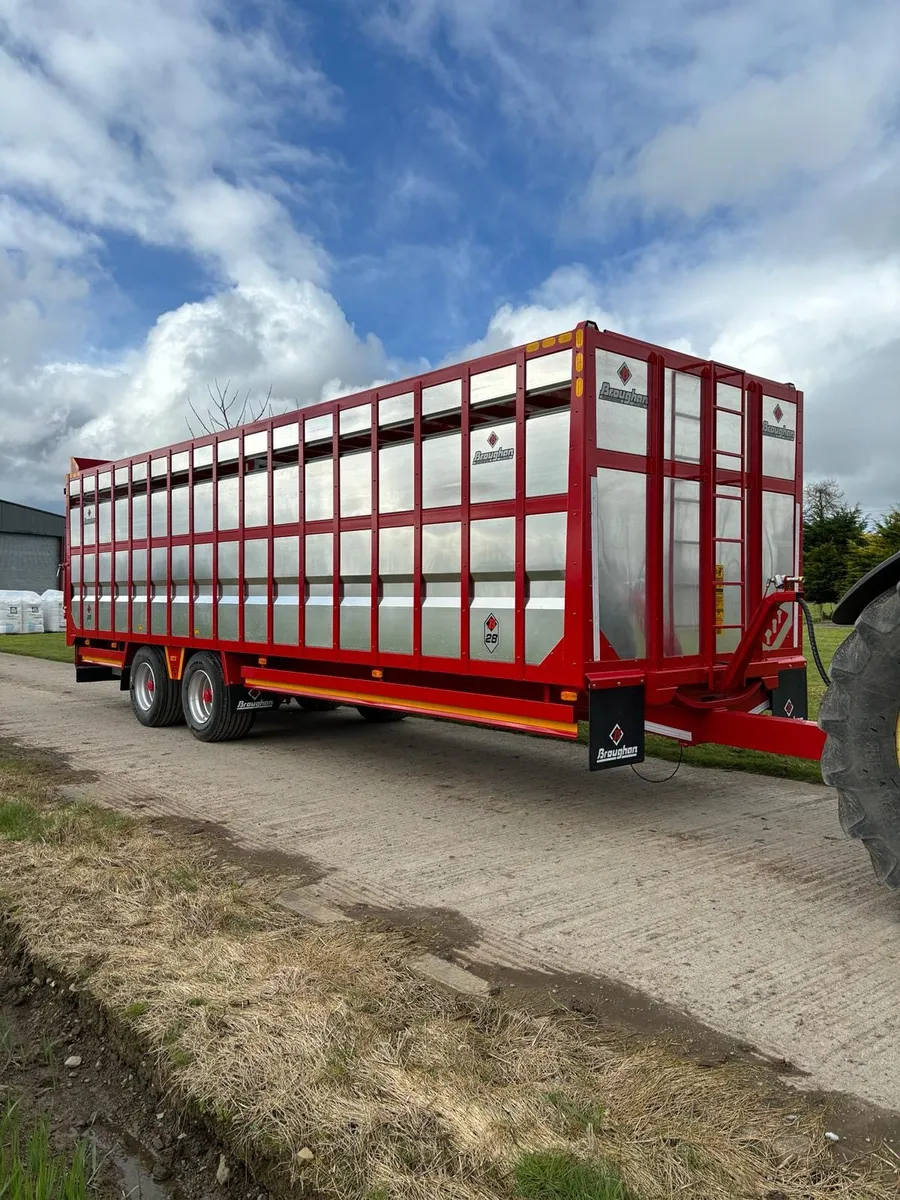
315 196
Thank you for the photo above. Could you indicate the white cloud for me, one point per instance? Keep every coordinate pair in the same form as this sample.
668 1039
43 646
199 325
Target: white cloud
159 120
287 336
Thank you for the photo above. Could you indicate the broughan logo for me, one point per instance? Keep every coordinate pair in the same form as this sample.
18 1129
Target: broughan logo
634 398
616 735
778 430
492 455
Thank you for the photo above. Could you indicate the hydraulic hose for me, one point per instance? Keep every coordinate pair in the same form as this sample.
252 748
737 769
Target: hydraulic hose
810 625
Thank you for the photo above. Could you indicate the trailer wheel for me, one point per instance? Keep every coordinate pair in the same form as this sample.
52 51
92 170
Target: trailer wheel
207 704
861 718
310 704
155 698
380 716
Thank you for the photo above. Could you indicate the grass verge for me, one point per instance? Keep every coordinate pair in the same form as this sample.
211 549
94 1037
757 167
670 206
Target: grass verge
31 1170
38 645
334 1072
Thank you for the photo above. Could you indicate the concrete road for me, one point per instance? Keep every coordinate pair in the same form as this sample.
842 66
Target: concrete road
735 898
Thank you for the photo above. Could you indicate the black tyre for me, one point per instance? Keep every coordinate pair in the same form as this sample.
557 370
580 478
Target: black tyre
207 704
309 704
861 718
380 716
155 698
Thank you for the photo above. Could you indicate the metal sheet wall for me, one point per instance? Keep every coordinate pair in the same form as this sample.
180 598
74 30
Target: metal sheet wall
267 536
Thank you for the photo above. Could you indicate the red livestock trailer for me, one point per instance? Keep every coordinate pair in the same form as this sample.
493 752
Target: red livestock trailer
586 528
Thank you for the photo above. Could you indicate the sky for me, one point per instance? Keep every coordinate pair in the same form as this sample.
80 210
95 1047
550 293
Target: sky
312 196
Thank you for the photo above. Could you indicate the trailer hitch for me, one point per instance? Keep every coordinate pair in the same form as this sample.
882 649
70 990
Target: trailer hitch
788 590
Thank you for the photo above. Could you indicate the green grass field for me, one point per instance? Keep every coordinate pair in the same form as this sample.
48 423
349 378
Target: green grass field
38 645
53 646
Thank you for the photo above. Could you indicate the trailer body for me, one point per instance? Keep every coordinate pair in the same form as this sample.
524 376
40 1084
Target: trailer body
584 528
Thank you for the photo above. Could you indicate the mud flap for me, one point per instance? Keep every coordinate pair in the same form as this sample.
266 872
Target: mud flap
790 698
91 673
243 699
615 727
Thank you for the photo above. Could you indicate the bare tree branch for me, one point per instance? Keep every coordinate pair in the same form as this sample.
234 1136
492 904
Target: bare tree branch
221 411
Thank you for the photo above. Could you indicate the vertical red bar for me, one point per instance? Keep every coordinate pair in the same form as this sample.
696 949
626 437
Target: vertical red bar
521 594
301 533
192 541
129 579
707 519
798 523
579 557
417 519
755 584
655 507
241 582
270 537
465 517
215 542
336 535
81 588
168 544
375 586
95 605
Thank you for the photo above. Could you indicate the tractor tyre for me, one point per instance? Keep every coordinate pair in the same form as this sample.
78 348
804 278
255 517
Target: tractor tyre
861 717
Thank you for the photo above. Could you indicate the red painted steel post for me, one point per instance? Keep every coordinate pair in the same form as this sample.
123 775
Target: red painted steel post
375 534
707 520
241 583
191 543
417 523
755 584
301 532
215 541
336 530
465 517
578 588
519 528
655 504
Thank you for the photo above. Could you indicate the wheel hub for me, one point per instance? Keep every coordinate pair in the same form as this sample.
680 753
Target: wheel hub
200 698
143 685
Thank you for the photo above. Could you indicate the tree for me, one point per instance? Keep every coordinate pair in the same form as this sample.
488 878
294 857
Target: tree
821 500
832 532
881 543
223 412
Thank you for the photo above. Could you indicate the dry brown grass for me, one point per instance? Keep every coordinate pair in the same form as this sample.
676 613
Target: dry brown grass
293 1036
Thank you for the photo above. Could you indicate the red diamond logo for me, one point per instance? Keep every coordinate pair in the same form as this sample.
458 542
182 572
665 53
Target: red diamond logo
616 735
789 709
624 372
493 440
777 413
491 623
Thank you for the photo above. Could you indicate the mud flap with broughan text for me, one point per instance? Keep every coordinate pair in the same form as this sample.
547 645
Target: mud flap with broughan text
616 727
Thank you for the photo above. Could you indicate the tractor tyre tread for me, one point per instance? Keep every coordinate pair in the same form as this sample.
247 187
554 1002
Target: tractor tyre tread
859 717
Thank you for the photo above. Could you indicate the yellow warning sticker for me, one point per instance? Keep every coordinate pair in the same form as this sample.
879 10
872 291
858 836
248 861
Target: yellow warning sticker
720 594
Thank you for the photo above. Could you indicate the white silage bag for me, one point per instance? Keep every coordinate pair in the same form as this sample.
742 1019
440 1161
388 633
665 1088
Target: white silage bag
32 613
10 612
54 611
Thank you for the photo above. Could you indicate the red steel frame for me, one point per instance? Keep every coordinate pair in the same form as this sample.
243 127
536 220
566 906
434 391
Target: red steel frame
684 694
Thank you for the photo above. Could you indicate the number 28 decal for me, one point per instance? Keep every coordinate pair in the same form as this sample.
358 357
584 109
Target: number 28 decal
492 633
